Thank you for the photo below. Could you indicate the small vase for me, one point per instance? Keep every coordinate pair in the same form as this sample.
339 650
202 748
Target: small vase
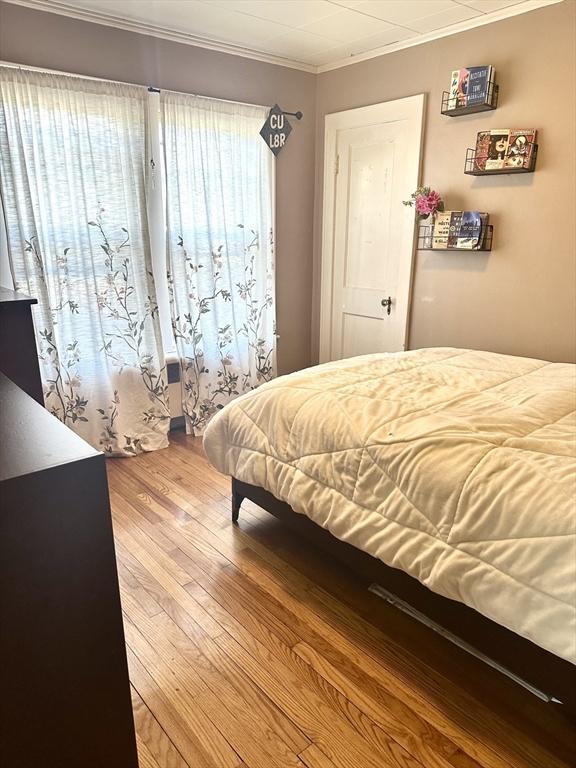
426 230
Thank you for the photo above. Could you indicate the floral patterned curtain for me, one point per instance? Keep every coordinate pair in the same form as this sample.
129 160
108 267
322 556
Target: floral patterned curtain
72 165
220 248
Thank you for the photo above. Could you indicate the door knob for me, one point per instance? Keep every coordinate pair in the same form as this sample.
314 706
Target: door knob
388 304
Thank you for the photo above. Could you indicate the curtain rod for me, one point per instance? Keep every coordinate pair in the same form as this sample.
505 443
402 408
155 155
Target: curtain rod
123 82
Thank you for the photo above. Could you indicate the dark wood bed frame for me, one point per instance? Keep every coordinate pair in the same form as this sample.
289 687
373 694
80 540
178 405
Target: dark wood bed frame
540 668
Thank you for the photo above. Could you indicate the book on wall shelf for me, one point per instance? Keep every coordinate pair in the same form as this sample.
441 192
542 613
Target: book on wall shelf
472 89
441 230
472 225
456 230
503 150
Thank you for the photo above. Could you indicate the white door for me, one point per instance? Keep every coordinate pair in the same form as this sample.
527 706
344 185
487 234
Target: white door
372 163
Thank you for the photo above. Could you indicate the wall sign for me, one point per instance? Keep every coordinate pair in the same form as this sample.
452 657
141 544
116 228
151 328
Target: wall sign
276 129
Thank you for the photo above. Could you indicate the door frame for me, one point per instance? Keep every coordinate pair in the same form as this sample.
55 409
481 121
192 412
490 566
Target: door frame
361 117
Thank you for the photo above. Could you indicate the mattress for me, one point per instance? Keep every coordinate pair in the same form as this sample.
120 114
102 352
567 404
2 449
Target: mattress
456 466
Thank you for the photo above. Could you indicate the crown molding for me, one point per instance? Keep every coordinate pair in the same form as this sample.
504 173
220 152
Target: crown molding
155 30
167 33
453 29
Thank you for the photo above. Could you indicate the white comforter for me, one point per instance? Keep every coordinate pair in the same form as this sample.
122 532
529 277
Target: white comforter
458 467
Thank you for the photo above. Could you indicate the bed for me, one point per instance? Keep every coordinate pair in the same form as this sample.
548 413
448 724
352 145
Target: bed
453 471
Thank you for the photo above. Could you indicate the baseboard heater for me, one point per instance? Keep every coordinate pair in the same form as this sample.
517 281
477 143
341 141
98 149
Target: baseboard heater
397 602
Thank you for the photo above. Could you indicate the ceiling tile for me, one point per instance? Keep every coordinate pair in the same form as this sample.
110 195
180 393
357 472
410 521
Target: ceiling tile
363 45
170 13
329 56
387 37
346 3
403 11
299 44
488 6
444 19
347 25
222 25
311 31
193 16
292 13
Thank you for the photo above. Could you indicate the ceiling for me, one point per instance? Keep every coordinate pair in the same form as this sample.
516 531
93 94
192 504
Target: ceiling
309 34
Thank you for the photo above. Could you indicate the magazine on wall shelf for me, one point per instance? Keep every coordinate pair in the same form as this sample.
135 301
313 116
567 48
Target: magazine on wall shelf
457 230
504 148
520 148
497 147
472 230
470 86
441 230
455 222
481 152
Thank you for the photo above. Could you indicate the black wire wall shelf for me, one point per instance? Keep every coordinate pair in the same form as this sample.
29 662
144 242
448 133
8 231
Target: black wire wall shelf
426 240
450 106
475 164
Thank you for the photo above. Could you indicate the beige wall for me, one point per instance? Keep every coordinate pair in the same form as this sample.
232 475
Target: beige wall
521 297
56 42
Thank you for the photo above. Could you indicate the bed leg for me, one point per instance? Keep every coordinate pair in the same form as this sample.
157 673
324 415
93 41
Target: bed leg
237 500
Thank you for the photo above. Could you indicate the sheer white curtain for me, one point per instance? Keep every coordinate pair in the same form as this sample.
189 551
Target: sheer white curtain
6 280
219 219
73 168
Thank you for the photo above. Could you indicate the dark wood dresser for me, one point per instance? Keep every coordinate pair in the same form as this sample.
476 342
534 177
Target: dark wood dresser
18 356
65 700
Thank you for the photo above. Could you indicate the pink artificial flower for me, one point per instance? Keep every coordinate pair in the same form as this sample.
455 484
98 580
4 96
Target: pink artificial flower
426 204
422 205
426 201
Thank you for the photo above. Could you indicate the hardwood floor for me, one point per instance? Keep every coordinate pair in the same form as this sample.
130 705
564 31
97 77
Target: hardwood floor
247 648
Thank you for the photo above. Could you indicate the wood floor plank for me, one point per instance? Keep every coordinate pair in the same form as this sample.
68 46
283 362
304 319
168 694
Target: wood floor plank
145 757
148 604
260 640
236 686
182 485
155 651
129 531
183 688
168 604
532 725
258 747
206 657
153 741
201 537
313 757
245 621
206 481
162 490
231 685
243 599
160 647
131 486
248 648
417 738
353 653
234 614
173 718
188 481
128 513
323 724
182 498
152 560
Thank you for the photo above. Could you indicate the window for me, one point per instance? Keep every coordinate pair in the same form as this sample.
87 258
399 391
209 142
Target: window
143 223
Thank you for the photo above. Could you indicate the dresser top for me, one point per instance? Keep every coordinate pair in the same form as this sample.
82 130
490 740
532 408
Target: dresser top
8 296
31 438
